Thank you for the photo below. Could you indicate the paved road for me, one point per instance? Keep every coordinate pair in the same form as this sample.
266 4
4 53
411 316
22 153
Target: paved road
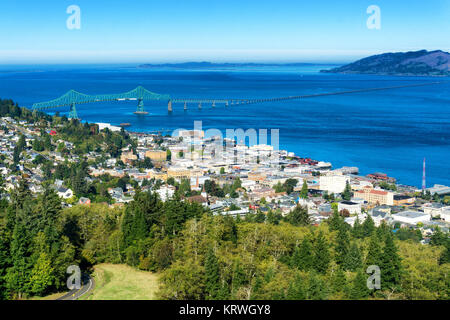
86 286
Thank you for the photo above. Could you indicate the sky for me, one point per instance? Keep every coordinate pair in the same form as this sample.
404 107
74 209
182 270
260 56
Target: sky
155 31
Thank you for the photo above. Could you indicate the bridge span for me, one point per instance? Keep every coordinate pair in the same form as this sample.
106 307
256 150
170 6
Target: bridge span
140 94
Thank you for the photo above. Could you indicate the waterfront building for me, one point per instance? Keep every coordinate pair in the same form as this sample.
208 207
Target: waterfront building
333 183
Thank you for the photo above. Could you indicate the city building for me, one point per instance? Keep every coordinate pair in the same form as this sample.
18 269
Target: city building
375 196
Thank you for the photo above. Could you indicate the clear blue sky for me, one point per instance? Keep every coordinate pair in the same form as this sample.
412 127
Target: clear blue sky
34 31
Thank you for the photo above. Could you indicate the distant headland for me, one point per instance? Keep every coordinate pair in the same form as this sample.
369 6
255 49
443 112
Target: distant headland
413 63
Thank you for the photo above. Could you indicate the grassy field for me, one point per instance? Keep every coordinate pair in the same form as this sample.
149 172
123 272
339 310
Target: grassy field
122 282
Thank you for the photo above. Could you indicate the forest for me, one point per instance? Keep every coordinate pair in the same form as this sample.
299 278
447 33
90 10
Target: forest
204 256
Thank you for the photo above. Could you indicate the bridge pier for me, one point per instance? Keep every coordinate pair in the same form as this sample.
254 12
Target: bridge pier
226 103
140 107
169 106
185 105
73 111
214 104
199 105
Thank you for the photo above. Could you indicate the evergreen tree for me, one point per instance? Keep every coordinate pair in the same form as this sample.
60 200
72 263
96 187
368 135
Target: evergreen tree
359 288
339 281
296 290
212 272
299 216
238 278
357 230
342 246
347 194
353 259
374 253
304 191
321 251
390 265
303 258
336 221
317 290
368 226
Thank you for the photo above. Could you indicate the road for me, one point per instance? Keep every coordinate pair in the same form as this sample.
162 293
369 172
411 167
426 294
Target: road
86 287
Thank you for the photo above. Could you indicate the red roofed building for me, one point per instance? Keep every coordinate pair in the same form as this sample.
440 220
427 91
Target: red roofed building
375 196
52 133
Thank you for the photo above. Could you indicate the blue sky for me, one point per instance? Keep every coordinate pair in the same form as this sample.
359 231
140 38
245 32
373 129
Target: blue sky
234 30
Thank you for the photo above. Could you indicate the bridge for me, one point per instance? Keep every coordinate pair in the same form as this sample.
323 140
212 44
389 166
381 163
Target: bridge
140 94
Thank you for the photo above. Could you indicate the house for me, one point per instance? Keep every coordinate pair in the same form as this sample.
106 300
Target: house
64 193
84 201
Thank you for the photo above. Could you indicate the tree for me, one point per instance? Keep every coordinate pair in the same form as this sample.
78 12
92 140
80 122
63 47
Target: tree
299 216
302 257
353 259
374 253
368 226
357 230
304 191
359 288
391 267
342 246
339 281
212 275
41 277
321 252
347 194
297 289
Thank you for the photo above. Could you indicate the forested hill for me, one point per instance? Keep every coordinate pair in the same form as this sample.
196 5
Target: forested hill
417 63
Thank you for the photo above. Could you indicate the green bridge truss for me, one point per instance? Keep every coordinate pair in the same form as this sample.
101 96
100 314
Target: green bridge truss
72 98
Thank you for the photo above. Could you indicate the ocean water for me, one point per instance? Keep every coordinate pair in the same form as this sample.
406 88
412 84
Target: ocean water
385 131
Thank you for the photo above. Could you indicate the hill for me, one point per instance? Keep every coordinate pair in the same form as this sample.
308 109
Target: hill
415 63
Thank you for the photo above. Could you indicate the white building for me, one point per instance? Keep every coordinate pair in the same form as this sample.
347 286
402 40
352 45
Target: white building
333 183
352 207
165 192
411 217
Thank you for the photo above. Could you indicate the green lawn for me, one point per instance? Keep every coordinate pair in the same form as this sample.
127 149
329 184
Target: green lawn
122 282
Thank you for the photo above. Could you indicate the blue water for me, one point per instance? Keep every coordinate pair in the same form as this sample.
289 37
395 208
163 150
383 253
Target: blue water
387 131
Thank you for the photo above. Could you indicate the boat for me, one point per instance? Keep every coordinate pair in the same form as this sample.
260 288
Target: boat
126 124
140 112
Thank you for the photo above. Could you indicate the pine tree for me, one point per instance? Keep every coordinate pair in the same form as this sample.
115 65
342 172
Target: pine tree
304 191
317 290
347 194
339 281
238 278
368 226
357 230
391 267
374 253
359 288
299 216
353 259
212 272
336 221
296 290
303 258
342 246
321 251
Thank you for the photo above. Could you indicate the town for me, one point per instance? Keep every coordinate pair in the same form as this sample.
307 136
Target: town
101 163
